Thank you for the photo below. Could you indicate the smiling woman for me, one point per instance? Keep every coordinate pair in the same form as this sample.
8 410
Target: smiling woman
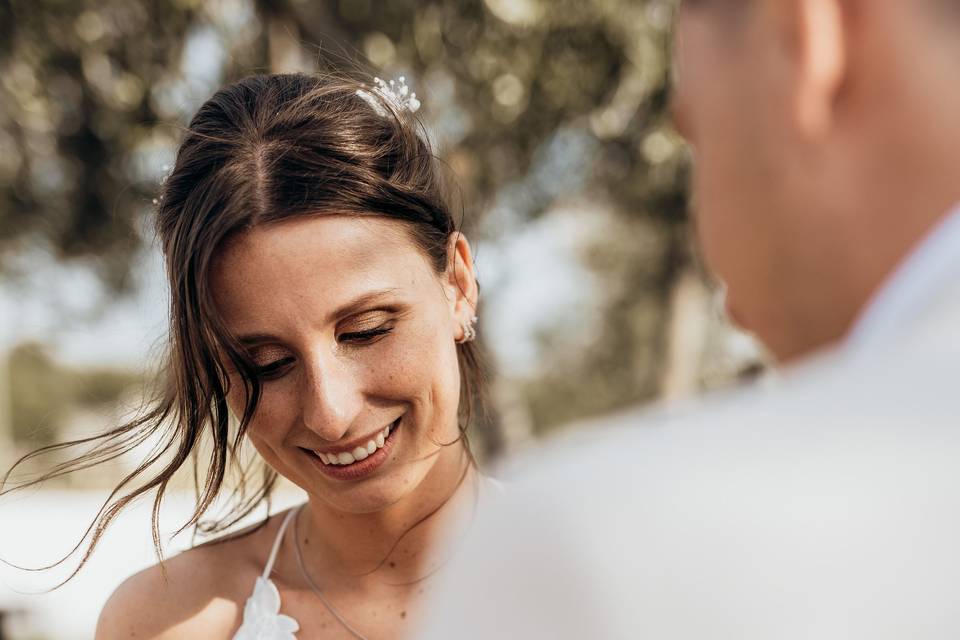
322 307
354 345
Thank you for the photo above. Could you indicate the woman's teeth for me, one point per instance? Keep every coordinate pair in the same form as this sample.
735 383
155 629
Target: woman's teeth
358 454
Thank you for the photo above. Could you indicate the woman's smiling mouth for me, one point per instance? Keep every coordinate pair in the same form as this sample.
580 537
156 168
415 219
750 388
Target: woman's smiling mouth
361 459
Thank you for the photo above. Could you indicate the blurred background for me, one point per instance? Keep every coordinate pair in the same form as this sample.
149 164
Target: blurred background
552 115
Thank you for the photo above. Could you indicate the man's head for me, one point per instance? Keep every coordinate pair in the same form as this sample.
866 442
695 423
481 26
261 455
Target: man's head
827 141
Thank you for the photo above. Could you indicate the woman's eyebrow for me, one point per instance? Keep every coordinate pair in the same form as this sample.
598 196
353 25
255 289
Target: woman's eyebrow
255 339
361 302
357 304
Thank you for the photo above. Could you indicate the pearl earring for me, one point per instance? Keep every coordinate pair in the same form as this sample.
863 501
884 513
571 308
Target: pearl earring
469 331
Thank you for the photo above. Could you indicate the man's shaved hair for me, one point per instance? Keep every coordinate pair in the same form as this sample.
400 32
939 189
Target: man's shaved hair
949 7
944 13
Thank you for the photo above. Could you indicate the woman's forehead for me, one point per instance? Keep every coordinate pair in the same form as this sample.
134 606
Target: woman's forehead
313 265
332 234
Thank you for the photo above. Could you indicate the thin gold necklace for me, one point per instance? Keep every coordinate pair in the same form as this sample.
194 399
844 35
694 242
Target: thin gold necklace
316 589
313 585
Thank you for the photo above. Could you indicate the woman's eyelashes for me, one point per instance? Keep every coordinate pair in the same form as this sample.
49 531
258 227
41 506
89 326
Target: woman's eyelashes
366 328
366 336
274 369
271 369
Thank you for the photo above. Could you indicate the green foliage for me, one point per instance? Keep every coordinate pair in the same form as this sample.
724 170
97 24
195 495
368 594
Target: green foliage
101 387
533 104
40 394
79 98
555 101
44 393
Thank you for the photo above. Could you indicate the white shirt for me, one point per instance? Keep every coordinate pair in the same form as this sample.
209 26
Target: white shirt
826 508
929 270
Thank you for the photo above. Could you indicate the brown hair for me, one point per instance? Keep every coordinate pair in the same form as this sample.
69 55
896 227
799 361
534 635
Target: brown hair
264 149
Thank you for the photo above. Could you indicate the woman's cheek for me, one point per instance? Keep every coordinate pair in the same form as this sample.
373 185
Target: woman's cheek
273 420
406 365
435 369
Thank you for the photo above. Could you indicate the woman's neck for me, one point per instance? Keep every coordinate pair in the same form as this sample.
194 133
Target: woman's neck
399 544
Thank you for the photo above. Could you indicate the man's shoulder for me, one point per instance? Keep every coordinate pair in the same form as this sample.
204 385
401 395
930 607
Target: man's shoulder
855 407
830 479
879 435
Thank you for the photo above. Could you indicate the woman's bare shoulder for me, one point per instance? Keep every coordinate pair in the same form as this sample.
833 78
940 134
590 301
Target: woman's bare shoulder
196 594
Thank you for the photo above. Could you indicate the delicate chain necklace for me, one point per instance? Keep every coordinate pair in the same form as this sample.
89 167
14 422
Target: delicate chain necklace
306 575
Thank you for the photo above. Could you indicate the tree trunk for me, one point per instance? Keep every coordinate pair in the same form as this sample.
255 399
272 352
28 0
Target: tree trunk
686 337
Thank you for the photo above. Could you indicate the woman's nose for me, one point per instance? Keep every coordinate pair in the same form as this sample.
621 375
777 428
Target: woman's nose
331 399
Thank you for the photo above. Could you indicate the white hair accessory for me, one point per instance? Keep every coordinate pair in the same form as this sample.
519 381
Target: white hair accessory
396 93
469 331
163 181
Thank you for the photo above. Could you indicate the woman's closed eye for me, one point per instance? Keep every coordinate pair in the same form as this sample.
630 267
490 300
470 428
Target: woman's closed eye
366 328
274 369
274 363
365 336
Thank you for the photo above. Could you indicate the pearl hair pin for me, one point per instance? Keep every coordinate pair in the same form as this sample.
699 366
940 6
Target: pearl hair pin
396 93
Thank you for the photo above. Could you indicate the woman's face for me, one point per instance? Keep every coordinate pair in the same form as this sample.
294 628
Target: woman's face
354 334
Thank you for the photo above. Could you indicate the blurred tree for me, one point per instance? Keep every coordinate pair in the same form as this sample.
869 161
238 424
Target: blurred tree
40 395
551 100
80 96
43 392
533 104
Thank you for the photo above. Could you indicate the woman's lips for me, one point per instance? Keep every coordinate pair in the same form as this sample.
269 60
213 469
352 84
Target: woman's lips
361 461
348 455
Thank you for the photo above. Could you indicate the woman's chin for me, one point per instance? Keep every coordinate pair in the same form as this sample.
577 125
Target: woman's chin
373 495
385 478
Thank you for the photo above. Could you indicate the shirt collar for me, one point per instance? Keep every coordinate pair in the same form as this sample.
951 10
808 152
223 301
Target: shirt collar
933 266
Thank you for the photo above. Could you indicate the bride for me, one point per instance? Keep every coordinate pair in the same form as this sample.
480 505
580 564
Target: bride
322 296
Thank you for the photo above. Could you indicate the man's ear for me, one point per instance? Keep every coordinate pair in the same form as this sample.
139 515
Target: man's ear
461 278
818 37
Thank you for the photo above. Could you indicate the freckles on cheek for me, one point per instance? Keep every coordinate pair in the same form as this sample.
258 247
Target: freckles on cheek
408 375
236 398
271 421
270 445
398 378
407 361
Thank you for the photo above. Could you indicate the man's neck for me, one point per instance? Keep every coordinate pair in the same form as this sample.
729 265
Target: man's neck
878 244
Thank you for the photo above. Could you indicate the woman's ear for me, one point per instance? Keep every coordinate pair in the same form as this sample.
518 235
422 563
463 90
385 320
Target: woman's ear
461 280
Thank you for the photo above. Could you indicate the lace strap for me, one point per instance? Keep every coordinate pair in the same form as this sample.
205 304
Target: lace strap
276 543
